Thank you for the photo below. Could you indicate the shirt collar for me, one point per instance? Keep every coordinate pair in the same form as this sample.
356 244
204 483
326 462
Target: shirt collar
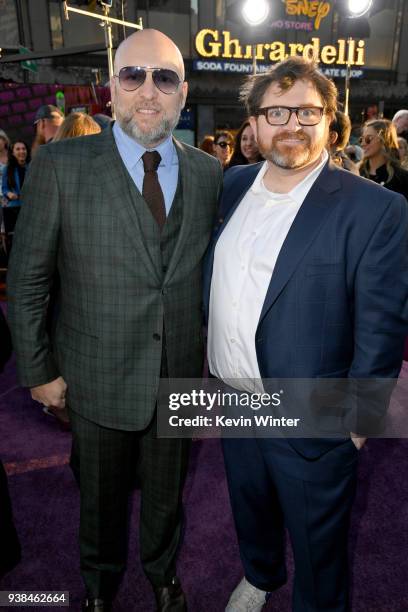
299 192
132 151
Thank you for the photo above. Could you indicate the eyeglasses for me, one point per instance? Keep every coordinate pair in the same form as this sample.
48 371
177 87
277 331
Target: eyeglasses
133 77
366 140
223 144
280 115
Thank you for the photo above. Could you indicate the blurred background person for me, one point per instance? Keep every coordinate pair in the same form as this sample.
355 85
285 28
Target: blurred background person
12 183
339 135
245 147
400 120
207 145
77 124
47 121
403 152
223 145
354 152
10 551
4 144
381 162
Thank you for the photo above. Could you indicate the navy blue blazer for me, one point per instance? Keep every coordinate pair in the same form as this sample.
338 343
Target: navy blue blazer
337 302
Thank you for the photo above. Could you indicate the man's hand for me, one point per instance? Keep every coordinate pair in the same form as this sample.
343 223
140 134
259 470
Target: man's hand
51 394
357 441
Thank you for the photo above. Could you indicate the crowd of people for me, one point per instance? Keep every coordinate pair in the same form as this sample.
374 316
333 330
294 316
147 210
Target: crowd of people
50 126
301 278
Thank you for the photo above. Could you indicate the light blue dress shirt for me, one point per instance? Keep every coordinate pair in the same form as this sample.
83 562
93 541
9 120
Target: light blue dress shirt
131 153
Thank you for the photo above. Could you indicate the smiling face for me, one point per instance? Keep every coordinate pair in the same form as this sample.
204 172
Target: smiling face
291 146
148 115
249 147
20 152
371 143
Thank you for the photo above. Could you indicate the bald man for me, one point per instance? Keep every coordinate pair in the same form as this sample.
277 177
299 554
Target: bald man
400 120
125 216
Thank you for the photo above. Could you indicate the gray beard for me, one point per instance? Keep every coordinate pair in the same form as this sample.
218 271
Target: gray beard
147 139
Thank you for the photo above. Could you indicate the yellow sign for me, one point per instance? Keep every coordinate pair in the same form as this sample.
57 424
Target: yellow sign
309 8
212 43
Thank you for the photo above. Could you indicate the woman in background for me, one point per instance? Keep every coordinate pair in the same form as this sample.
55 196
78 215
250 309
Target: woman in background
381 162
245 147
76 124
12 183
223 144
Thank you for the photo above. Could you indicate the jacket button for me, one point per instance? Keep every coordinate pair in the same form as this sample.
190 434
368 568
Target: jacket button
157 337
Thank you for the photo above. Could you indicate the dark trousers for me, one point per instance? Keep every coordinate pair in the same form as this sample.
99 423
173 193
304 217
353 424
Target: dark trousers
10 215
105 461
272 486
10 551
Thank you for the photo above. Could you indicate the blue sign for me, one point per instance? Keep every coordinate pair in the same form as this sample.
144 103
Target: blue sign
215 65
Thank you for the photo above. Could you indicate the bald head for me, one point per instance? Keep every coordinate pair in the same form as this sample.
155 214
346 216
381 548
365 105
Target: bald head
400 120
147 109
149 48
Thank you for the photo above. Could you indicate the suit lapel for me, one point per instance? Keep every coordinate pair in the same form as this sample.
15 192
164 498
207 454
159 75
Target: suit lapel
318 204
110 170
190 198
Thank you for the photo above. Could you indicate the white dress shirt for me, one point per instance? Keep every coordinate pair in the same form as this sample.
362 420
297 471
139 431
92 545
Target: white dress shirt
244 260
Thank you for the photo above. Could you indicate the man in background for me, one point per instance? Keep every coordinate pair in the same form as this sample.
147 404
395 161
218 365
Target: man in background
47 120
400 120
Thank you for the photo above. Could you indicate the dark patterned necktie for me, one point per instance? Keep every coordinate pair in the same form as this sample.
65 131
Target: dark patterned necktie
152 192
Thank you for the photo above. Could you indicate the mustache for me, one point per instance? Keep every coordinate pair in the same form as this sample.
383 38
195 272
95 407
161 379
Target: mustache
292 136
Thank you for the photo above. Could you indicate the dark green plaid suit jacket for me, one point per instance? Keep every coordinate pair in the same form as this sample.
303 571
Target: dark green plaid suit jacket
79 216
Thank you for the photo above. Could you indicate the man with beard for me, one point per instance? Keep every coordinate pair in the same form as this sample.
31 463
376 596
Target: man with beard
125 217
303 281
47 120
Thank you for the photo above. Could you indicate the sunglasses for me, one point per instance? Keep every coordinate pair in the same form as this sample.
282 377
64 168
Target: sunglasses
133 77
366 140
222 144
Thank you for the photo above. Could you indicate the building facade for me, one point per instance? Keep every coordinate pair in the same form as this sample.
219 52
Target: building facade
218 49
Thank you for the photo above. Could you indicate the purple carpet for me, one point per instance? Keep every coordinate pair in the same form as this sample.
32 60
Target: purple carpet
45 501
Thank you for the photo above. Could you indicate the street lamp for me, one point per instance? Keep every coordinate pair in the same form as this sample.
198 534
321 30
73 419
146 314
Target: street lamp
358 8
255 12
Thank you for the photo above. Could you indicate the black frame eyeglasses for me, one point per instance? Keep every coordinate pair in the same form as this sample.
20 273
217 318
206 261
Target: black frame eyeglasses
280 115
132 77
